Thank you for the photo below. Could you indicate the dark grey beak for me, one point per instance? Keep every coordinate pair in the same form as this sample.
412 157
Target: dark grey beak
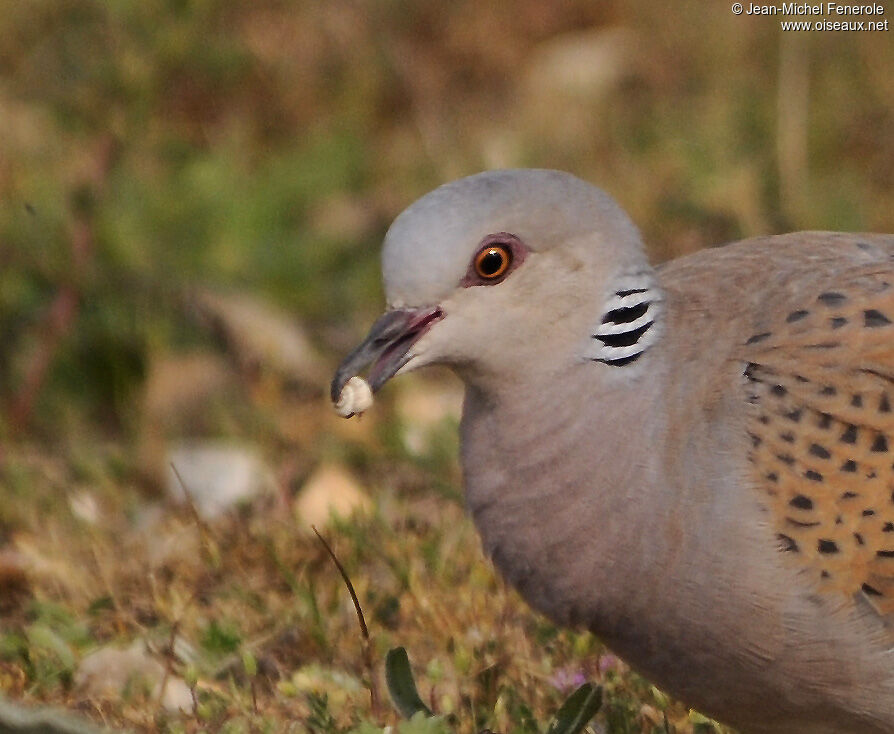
386 347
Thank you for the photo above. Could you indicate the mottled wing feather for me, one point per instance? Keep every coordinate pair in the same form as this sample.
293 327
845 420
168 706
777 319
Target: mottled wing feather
820 382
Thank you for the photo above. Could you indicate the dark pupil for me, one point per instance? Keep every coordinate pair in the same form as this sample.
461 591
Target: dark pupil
491 262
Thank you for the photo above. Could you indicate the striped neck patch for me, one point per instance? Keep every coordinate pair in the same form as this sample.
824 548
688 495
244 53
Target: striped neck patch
628 325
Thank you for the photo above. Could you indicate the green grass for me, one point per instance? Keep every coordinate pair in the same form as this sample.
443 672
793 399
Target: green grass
269 628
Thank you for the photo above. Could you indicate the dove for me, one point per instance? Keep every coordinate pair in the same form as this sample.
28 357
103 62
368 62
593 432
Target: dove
693 460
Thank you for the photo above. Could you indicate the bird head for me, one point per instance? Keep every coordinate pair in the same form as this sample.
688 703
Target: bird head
485 272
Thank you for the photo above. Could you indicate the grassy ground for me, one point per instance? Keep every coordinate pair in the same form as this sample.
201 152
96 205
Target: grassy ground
154 151
257 592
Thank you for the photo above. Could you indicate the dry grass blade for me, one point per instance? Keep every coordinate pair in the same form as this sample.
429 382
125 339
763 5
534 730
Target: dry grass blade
344 574
364 630
206 540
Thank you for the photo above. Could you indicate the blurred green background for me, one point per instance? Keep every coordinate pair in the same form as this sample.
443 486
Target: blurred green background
151 146
185 182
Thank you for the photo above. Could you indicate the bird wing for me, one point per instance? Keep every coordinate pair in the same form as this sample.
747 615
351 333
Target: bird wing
819 382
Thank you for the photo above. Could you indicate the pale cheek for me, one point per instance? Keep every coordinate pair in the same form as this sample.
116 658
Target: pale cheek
451 341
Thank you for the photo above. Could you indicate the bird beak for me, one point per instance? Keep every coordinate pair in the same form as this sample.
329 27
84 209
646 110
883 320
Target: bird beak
386 347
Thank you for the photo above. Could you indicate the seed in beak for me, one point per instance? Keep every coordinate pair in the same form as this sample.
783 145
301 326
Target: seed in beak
355 398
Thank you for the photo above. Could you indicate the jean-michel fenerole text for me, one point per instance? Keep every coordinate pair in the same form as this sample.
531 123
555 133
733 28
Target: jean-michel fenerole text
820 9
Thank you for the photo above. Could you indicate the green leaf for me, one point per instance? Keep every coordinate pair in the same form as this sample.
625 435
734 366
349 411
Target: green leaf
250 663
422 723
419 724
366 728
577 711
48 641
101 603
401 685
220 638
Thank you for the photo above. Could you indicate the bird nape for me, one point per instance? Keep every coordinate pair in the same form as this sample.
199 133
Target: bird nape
694 460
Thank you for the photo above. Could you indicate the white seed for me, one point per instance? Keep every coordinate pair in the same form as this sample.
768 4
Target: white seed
356 397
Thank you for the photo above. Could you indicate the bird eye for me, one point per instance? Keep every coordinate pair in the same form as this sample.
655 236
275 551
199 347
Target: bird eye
498 255
493 261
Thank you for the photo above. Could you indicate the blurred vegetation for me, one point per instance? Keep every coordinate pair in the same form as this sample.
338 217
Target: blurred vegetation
155 151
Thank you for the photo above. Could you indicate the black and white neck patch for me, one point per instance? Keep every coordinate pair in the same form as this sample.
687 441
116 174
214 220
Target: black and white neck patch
629 323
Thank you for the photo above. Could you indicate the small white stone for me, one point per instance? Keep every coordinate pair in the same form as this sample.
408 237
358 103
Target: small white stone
216 475
356 397
109 672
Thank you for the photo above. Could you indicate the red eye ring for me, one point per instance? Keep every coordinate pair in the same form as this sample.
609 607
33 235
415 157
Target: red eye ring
493 261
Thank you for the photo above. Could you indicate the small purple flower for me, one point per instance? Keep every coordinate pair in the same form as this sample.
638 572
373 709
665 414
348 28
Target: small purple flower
566 679
608 663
